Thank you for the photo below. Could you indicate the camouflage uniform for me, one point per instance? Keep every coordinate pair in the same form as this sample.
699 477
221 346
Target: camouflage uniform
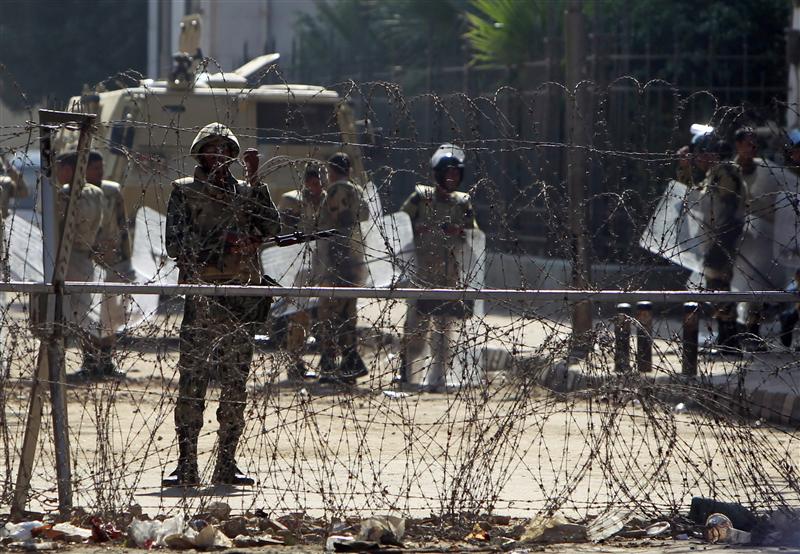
691 175
725 190
9 188
437 266
216 333
342 264
300 211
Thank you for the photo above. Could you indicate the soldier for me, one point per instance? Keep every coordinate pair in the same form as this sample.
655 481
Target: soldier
342 264
113 252
299 210
439 216
12 185
790 316
216 226
725 192
89 218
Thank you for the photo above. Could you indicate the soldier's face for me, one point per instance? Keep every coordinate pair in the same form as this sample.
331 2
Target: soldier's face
64 173
451 179
94 172
214 154
314 185
747 148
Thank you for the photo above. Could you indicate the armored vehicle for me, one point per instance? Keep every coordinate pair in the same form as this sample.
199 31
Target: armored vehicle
145 131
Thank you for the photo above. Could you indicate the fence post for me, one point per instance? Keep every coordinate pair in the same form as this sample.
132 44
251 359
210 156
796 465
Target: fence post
622 338
691 330
644 336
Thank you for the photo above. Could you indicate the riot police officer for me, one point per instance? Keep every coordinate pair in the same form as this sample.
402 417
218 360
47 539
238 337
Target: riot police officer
439 214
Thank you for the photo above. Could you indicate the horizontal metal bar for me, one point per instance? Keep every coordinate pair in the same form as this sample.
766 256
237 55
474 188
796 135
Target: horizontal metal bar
669 296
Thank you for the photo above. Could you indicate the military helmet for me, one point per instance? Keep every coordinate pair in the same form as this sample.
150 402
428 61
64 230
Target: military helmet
447 155
210 132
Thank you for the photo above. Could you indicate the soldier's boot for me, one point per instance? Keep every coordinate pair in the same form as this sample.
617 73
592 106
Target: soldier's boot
300 371
728 338
753 342
106 366
226 472
400 377
788 320
327 368
186 474
352 366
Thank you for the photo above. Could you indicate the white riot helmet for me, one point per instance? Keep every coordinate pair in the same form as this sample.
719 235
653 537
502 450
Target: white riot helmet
447 155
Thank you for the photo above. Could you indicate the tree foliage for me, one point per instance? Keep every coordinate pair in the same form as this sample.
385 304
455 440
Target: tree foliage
51 48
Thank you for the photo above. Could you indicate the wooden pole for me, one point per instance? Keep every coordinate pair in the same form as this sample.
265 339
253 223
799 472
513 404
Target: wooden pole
51 350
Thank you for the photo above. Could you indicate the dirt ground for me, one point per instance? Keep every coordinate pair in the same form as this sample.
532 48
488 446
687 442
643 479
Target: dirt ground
506 448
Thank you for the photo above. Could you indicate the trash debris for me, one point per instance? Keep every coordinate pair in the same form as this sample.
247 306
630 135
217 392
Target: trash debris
34 546
210 537
658 529
554 529
607 525
478 533
219 510
20 532
244 541
234 527
146 534
719 529
71 533
104 531
383 529
740 517
396 394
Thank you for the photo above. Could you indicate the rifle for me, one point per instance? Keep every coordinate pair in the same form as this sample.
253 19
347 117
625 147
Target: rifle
237 240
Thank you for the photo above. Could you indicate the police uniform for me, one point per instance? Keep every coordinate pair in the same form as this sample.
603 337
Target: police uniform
88 220
725 192
112 251
300 211
342 264
204 219
437 266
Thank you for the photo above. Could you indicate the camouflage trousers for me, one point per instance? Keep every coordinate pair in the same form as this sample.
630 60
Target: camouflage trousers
216 341
723 311
337 325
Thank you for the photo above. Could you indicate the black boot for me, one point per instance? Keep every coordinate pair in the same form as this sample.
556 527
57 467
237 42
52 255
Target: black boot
788 321
752 340
728 338
352 366
327 369
186 474
226 472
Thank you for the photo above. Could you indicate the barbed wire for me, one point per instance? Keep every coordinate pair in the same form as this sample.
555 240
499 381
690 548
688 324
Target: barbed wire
521 421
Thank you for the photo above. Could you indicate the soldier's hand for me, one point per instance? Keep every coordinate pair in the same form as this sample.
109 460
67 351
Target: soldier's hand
452 230
252 160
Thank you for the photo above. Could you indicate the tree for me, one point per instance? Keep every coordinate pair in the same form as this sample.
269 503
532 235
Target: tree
51 48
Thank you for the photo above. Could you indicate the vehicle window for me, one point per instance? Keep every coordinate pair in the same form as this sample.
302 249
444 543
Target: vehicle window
284 123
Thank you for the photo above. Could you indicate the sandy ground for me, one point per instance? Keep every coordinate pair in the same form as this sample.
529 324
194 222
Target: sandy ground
505 447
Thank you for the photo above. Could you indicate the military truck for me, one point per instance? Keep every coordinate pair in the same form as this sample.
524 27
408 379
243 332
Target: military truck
145 131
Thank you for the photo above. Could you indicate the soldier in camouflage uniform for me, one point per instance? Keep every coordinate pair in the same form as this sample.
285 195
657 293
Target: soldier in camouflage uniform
11 186
113 252
725 191
439 216
89 219
791 315
216 226
342 264
299 211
